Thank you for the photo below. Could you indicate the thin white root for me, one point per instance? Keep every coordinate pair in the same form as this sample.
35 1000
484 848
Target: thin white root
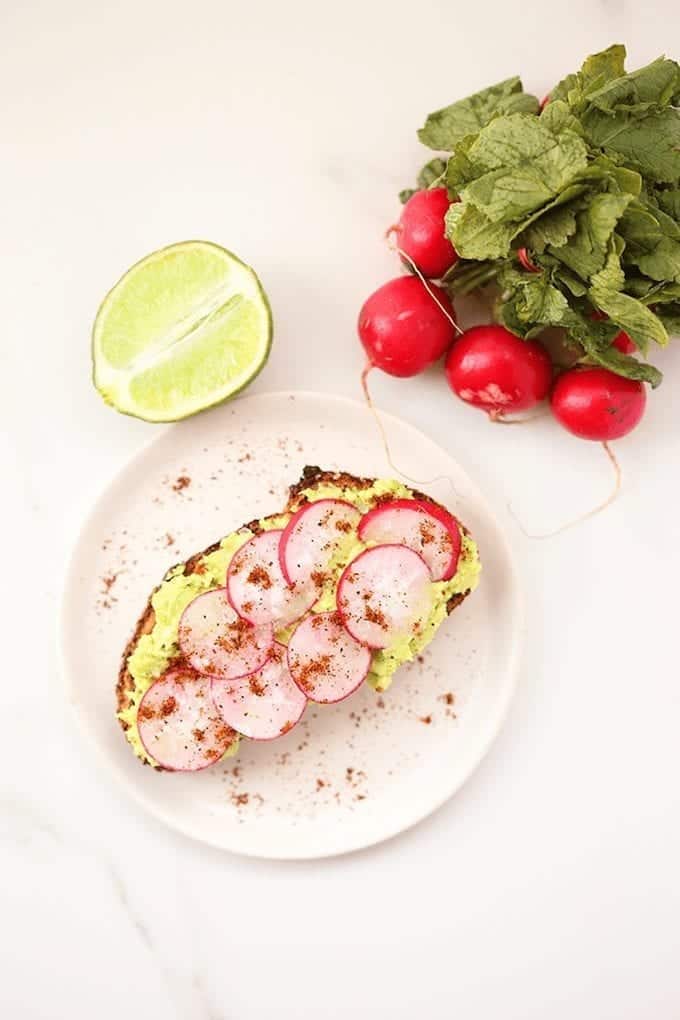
386 446
423 280
582 517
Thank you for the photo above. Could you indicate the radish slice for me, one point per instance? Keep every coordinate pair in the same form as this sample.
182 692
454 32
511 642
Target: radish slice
257 589
263 705
312 537
385 594
422 526
217 642
180 726
324 659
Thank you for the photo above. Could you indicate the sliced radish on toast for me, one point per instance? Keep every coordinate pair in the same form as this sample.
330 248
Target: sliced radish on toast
179 724
217 642
257 589
325 661
385 594
265 704
312 537
422 526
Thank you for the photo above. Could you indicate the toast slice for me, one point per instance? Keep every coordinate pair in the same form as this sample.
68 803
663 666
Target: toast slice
313 480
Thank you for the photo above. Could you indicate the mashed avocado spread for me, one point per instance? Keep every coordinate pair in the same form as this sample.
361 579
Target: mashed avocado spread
155 650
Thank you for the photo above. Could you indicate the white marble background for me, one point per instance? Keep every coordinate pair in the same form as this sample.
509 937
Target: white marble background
549 887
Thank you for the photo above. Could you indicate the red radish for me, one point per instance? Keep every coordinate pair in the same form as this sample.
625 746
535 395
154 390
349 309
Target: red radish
325 661
491 368
313 536
179 725
543 103
594 403
265 704
422 526
422 232
385 594
217 642
621 341
257 589
403 328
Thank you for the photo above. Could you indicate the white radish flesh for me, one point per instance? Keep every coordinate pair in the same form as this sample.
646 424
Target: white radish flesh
217 642
422 526
179 725
313 536
265 704
257 589
325 661
385 594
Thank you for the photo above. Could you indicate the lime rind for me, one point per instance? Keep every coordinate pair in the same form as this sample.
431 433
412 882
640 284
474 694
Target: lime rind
186 328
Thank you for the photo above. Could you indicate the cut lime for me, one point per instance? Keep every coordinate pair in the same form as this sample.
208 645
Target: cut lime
185 328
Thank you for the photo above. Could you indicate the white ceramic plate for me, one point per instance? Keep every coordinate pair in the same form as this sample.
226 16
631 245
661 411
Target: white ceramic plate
349 775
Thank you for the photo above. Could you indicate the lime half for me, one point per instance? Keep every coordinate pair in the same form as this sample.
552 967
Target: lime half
185 328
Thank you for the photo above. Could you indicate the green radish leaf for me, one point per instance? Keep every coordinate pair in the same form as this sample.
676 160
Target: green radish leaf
668 200
641 324
661 293
624 364
586 251
445 128
432 173
557 117
596 71
568 281
474 236
460 169
554 227
521 165
596 336
652 241
650 144
611 276
670 316
652 86
406 193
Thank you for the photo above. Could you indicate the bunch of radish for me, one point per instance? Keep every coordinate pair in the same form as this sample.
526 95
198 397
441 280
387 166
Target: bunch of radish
410 323
233 676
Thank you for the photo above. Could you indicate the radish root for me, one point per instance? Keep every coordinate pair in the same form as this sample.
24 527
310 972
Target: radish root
582 517
425 282
386 446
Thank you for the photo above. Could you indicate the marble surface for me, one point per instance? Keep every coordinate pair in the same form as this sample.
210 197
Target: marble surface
549 886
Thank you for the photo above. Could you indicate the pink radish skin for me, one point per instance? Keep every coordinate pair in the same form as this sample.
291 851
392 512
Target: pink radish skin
491 368
594 403
325 661
422 232
403 328
257 589
264 705
178 723
384 594
312 537
217 642
427 529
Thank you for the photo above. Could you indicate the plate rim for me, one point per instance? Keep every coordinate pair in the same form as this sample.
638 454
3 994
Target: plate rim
150 806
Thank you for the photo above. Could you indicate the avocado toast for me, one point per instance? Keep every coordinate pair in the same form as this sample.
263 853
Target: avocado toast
349 581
